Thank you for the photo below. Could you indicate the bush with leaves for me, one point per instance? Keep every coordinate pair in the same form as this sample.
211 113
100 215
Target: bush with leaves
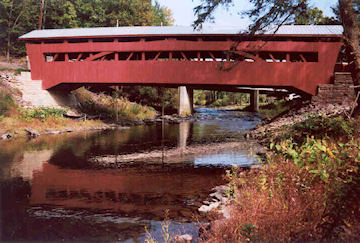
307 191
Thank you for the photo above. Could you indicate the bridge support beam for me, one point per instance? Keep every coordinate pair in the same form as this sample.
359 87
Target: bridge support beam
254 100
185 101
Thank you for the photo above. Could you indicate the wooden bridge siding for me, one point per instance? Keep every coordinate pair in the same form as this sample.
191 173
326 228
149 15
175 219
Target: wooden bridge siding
304 76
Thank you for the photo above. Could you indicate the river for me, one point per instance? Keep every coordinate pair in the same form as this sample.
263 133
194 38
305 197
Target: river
53 190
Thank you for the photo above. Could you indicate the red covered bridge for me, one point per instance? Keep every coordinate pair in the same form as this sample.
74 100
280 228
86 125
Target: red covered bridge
300 57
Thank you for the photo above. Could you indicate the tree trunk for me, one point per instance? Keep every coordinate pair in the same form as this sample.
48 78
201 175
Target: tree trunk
8 47
351 34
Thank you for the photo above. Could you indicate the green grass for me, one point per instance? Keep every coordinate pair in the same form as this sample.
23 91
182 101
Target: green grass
41 113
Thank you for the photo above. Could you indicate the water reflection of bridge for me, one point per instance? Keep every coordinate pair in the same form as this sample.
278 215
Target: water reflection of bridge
134 192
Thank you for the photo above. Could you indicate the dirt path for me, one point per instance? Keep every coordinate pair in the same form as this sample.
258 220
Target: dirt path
12 65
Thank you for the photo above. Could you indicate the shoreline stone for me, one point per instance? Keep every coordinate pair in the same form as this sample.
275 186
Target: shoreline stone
32 133
6 136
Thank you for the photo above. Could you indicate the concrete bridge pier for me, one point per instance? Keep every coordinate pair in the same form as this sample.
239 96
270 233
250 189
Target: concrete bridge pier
185 101
254 100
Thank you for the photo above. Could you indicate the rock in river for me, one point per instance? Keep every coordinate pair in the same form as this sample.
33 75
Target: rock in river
6 136
183 238
32 133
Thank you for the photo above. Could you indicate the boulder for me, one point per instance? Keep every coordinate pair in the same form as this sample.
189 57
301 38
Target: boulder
32 133
206 209
183 238
6 136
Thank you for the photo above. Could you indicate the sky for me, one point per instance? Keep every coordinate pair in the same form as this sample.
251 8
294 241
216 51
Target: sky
184 16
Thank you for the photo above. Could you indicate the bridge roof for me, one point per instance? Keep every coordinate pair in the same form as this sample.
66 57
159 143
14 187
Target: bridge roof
101 32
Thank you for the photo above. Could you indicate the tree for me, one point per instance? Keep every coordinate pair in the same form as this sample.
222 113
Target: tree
314 16
278 12
18 17
11 12
351 34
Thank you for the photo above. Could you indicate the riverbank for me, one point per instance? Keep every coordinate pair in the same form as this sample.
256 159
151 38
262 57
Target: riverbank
310 182
18 117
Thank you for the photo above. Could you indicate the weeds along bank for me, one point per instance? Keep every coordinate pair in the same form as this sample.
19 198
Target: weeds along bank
112 107
309 189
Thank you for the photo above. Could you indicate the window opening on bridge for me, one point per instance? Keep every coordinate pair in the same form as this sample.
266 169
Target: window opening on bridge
311 56
179 56
154 38
214 38
266 56
149 56
187 38
78 40
60 57
103 40
49 57
129 39
164 56
296 57
123 56
34 42
279 56
204 56
109 57
73 56
136 56
53 41
84 56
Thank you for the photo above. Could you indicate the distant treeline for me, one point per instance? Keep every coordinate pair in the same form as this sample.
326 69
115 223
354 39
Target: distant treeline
18 17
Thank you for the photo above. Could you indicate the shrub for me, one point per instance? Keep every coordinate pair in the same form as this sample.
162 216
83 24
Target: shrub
306 192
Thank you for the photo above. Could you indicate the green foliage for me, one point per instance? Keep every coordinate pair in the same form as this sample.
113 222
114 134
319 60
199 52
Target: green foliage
6 102
314 16
41 113
152 96
18 17
320 126
219 99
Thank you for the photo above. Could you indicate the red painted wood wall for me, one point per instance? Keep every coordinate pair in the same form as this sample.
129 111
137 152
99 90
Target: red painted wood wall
299 62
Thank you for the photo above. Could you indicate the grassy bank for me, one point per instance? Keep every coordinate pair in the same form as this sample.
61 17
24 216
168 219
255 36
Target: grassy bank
15 119
308 190
112 107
